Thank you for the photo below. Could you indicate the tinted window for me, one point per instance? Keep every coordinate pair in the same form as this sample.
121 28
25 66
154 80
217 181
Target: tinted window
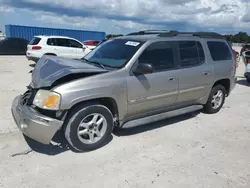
160 55
62 42
51 42
219 51
114 52
96 43
35 41
191 53
74 44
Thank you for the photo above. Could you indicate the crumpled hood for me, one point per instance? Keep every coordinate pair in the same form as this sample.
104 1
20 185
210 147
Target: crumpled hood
51 68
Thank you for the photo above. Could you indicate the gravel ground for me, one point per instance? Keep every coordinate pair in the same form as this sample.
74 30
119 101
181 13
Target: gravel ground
194 150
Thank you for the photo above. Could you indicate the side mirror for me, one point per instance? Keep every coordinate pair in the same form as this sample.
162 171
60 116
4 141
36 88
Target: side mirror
84 47
143 68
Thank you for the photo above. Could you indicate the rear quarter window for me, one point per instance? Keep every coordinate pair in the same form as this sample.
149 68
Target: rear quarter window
35 41
219 51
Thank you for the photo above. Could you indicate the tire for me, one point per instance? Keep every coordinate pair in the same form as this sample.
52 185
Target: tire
210 107
79 136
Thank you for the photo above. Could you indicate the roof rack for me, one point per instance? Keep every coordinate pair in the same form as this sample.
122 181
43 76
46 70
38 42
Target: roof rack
197 34
171 33
149 32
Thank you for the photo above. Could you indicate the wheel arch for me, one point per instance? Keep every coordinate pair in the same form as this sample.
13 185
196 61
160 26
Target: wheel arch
225 83
108 102
53 54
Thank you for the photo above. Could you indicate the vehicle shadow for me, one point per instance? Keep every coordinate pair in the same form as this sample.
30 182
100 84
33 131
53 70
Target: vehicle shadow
156 125
59 145
243 82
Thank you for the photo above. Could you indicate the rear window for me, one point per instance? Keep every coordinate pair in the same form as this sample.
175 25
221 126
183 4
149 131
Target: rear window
219 51
35 41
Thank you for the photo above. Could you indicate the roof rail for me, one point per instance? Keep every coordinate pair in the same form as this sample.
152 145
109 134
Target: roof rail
149 32
197 34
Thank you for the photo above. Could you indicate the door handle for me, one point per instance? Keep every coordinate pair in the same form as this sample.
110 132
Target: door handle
206 73
171 79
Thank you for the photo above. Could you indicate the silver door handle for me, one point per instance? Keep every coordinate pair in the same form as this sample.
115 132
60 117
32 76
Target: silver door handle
171 79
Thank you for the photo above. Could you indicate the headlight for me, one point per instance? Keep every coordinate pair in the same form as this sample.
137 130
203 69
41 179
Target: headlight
47 100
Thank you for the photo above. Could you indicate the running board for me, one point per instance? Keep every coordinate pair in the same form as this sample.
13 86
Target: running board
159 117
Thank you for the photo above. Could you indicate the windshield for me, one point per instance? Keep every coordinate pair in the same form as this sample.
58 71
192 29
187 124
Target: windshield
114 53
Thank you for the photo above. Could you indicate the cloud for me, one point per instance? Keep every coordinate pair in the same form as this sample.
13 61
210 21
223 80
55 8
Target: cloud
131 25
246 16
67 20
135 14
6 9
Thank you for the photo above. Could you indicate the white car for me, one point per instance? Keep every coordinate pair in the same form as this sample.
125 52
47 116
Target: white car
57 46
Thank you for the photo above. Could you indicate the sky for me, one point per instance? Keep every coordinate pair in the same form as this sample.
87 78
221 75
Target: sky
124 16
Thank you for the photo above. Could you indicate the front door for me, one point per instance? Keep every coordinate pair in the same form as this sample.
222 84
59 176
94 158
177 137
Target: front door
195 73
80 49
154 92
64 49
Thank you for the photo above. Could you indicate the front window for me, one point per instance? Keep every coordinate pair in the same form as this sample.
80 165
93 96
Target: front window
114 53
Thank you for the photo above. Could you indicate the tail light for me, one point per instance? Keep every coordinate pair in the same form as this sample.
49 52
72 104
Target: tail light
36 47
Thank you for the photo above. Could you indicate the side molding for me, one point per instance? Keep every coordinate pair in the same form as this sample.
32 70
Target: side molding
158 117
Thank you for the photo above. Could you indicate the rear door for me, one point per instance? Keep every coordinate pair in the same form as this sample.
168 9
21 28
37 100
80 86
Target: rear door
195 72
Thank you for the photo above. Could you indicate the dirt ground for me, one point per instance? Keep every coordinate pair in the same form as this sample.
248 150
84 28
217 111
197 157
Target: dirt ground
194 150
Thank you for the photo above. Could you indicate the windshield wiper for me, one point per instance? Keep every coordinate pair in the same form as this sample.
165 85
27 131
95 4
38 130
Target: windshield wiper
94 62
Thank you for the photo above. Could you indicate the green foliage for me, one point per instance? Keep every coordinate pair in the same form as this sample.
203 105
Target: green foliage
241 37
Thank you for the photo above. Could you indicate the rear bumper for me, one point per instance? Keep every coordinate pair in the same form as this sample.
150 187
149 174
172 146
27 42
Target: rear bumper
35 59
33 124
32 56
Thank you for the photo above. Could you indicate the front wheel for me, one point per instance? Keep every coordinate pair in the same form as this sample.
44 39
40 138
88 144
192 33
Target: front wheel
89 127
216 100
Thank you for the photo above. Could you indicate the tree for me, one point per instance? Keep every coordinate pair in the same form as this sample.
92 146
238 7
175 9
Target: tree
241 37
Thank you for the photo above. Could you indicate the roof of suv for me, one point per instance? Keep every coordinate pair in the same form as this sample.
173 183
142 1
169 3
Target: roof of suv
52 36
152 35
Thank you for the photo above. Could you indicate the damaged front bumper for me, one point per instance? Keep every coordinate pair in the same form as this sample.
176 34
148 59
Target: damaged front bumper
33 124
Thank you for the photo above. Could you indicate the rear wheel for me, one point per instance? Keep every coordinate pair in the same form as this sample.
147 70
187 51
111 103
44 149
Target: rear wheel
89 127
216 100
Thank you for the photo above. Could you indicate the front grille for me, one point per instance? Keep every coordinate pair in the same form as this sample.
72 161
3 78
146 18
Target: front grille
28 97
